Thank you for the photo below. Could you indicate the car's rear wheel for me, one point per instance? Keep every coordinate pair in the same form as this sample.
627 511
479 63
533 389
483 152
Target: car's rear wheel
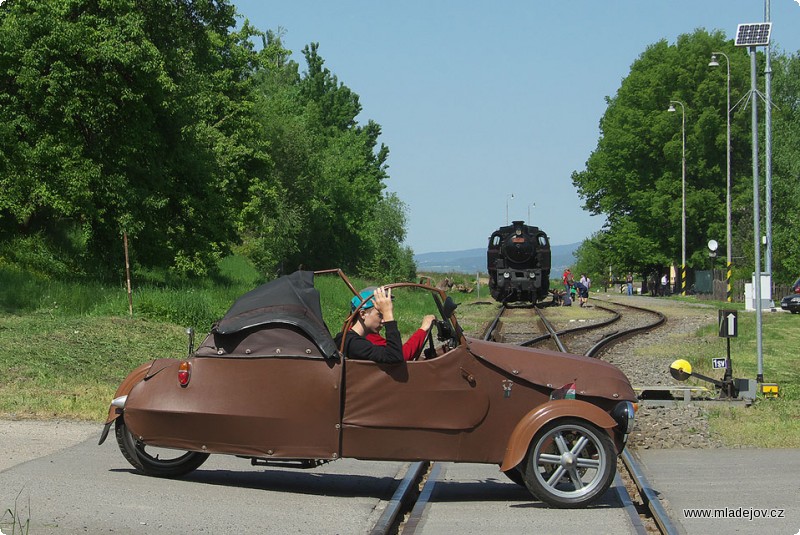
161 462
570 463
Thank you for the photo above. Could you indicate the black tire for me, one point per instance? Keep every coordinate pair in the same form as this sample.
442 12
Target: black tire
155 463
570 463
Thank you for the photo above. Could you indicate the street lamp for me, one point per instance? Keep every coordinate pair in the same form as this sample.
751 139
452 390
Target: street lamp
508 198
728 238
683 190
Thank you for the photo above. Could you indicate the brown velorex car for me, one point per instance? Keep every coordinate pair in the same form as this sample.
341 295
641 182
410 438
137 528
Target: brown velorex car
269 383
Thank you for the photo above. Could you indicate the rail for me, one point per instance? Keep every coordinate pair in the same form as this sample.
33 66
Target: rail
407 506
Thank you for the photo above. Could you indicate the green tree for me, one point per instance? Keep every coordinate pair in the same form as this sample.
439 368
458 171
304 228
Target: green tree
786 168
125 115
633 177
321 201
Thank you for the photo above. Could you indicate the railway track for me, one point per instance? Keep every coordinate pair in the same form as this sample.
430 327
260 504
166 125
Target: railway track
406 510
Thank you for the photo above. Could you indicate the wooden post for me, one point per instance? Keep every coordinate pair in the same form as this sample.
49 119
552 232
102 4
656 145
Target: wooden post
128 273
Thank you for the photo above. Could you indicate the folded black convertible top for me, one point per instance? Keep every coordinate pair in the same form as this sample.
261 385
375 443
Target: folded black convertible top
291 299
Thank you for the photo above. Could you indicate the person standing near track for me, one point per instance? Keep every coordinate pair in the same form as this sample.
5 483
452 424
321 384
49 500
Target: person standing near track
567 279
629 282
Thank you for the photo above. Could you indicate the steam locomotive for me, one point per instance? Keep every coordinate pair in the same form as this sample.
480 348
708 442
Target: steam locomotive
518 261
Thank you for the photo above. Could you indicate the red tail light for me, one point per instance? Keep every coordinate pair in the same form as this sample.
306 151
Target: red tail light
184 373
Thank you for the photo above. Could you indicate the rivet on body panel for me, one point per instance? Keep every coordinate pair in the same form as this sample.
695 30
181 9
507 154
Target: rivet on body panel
549 385
203 447
220 351
338 426
515 372
615 395
269 452
277 351
308 351
248 351
335 455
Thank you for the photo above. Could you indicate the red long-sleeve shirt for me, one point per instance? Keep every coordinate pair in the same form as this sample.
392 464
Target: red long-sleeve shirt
411 348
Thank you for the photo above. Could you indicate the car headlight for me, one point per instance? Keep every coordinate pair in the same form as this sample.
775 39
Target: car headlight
624 413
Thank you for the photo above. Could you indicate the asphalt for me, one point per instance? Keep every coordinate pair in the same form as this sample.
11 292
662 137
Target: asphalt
748 490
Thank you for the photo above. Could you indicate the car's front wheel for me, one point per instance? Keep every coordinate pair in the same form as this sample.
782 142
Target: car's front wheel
152 461
570 463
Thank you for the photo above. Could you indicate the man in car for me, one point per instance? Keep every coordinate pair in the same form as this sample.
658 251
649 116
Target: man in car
364 341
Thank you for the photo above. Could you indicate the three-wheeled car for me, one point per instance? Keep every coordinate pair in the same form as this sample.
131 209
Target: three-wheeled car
269 383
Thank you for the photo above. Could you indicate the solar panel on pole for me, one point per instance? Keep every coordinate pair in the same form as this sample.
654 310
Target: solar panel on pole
753 34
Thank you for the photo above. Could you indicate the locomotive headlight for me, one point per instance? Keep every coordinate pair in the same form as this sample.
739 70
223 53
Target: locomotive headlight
506 275
532 275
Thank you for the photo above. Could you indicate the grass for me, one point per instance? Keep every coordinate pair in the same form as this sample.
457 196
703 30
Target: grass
64 347
771 423
14 519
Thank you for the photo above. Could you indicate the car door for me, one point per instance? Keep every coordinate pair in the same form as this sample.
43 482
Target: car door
410 410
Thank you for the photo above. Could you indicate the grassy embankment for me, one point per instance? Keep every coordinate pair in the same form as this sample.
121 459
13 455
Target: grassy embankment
64 347
771 423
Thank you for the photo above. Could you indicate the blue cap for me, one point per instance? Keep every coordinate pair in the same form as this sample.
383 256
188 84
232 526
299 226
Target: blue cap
364 294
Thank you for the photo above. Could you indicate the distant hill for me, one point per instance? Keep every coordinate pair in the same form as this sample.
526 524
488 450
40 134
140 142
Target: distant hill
474 260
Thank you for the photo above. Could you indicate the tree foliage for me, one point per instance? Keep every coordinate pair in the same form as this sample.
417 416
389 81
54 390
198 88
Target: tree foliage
156 118
786 167
634 176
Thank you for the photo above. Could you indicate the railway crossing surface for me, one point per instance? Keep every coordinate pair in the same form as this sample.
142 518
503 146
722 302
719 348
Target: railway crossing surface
76 486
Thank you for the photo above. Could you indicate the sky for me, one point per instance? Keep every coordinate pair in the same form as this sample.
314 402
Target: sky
479 100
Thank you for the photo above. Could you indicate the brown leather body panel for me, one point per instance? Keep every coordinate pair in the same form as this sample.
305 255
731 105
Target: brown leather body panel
592 377
467 415
461 406
125 387
427 394
282 407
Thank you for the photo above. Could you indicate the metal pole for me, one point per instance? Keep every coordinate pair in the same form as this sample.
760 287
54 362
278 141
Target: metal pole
683 201
683 191
768 161
728 237
756 218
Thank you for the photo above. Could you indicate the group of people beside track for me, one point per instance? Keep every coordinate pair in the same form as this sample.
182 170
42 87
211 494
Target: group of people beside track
575 289
658 288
